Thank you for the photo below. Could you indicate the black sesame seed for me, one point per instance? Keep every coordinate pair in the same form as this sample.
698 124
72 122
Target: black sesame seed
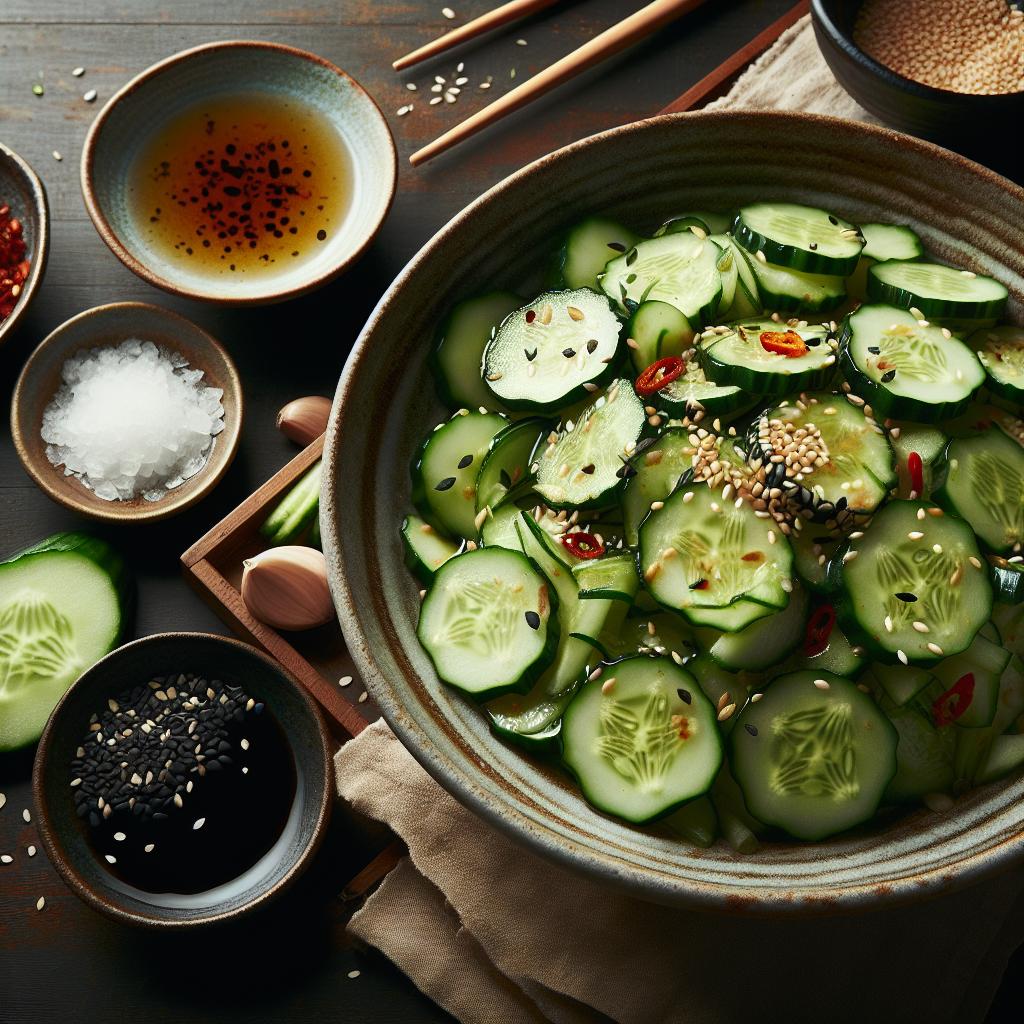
684 695
832 220
568 352
697 584
530 356
588 468
888 376
813 246
616 246
592 345
874 350
466 460
445 484
631 258
532 619
905 597
625 471
752 729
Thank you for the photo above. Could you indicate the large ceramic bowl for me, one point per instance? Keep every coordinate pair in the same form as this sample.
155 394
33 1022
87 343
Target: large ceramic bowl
639 173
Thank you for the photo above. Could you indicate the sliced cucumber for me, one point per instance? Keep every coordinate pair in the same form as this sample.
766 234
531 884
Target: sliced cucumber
680 269
935 290
659 330
1006 755
795 291
583 467
720 686
728 267
739 827
1001 351
63 605
697 556
658 470
890 242
657 632
746 300
973 745
445 472
985 662
901 684
506 465
613 576
765 642
293 515
426 550
1009 619
811 554
692 391
810 760
913 569
695 822
984 484
644 745
588 248
545 354
709 222
740 359
905 370
928 442
839 657
924 756
499 527
457 358
489 622
799 237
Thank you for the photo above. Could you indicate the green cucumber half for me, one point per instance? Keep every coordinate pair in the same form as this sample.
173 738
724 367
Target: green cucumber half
1001 351
588 248
937 291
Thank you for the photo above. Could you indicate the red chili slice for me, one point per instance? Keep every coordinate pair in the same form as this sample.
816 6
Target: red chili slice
658 374
955 701
915 467
819 629
583 545
785 343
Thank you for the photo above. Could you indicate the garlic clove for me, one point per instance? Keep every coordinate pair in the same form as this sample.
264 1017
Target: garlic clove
303 420
286 587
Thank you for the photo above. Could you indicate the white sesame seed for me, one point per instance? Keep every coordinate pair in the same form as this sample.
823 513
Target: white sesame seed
149 847
3 800
411 86
198 824
822 684
6 858
888 624
448 13
110 858
40 903
31 851
754 698
915 535
353 974
57 156
921 627
935 648
434 100
26 815
903 658
119 837
78 72
90 96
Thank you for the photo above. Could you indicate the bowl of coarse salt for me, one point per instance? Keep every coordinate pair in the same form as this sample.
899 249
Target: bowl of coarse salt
127 412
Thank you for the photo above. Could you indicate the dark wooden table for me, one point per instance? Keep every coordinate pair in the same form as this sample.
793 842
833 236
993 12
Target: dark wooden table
292 962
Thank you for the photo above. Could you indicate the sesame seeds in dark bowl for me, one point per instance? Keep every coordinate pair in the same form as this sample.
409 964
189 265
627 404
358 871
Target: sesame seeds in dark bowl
183 779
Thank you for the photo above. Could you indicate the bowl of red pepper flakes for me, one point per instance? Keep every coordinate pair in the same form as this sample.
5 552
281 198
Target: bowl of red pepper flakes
24 238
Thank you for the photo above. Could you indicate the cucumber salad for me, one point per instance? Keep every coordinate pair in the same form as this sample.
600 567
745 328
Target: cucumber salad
729 521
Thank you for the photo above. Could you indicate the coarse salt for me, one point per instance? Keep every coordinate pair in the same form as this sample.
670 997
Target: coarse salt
131 419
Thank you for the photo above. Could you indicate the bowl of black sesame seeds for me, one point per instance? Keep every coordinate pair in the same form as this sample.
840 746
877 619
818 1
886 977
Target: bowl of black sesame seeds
183 780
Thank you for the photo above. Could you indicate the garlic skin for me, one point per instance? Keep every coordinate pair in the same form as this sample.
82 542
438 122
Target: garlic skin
286 587
303 420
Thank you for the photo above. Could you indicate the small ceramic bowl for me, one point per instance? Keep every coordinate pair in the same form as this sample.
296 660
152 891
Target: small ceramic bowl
215 657
969 124
21 189
143 108
110 325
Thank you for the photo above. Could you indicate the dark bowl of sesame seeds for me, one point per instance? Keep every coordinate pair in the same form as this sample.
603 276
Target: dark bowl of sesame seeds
183 780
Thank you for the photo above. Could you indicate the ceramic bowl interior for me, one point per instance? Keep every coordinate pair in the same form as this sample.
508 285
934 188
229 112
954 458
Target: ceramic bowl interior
106 326
967 123
214 657
147 104
640 174
21 189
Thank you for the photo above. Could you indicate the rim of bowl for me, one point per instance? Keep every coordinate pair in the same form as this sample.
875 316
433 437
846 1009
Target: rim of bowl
92 895
118 512
695 894
41 251
136 266
846 43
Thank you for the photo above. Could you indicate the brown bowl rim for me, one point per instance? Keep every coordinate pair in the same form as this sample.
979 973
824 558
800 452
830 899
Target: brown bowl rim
136 266
118 512
41 251
92 895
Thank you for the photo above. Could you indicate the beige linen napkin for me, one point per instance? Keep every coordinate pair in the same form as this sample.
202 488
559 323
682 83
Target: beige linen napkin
493 933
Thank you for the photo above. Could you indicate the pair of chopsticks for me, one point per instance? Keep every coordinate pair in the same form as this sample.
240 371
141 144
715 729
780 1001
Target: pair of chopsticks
627 32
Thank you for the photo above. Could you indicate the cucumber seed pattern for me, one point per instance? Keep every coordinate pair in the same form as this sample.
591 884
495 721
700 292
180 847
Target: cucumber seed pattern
927 574
813 753
913 355
482 618
999 489
35 641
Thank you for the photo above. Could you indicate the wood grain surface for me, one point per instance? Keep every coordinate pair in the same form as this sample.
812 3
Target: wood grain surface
291 963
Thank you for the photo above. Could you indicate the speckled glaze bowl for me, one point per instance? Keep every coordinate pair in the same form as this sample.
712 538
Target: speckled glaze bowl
214 657
143 107
21 189
639 173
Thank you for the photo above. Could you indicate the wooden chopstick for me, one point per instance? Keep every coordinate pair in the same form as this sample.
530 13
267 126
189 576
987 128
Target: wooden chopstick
645 21
502 15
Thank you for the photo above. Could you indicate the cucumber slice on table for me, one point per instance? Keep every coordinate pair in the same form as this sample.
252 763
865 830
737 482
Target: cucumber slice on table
813 761
506 464
460 348
644 745
553 351
913 568
984 484
935 290
489 622
738 357
296 512
589 247
905 370
1001 351
680 269
714 563
583 467
63 605
890 242
426 550
659 330
445 472
799 237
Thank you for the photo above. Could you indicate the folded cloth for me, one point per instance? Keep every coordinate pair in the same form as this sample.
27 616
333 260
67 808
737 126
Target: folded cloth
494 933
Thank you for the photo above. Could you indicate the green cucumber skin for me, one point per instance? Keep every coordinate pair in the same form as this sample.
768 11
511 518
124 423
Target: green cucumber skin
803 262
764 385
1009 393
292 515
413 562
937 309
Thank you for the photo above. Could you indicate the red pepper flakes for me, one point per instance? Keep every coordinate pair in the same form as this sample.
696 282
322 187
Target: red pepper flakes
915 467
14 268
955 701
819 629
785 343
582 545
658 374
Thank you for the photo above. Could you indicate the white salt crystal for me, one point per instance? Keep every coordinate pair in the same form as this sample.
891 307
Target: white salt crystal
131 419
